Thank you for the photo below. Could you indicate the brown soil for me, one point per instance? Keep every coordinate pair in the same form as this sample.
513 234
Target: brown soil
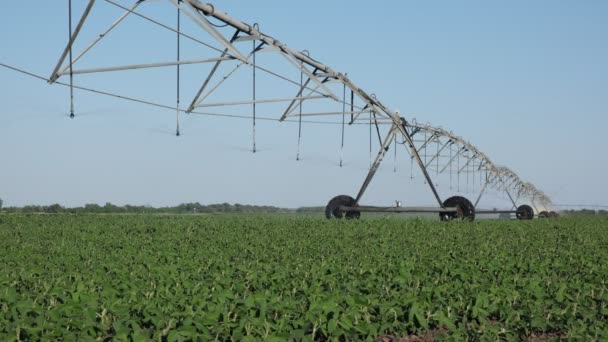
431 335
541 337
428 337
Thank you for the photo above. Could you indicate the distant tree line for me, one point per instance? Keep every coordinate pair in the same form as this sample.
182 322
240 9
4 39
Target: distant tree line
310 210
194 208
109 208
584 212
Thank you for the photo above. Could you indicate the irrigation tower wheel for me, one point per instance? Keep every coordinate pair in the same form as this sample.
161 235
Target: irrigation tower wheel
465 210
544 214
524 212
332 210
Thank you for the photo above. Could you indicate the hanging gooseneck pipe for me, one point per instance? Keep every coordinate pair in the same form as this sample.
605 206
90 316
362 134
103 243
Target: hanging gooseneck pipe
254 149
343 123
177 109
71 61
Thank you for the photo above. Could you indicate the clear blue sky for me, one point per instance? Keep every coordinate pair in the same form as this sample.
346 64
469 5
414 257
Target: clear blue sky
526 82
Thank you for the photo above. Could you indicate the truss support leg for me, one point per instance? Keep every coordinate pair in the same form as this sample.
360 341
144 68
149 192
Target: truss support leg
299 95
416 155
55 75
511 198
508 193
103 34
211 73
449 164
437 155
483 189
372 171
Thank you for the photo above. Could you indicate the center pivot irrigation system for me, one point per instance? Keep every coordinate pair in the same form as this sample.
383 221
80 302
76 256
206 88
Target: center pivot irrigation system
302 87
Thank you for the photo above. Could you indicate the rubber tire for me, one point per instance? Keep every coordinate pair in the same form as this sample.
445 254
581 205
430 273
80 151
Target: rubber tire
524 212
544 214
466 209
332 209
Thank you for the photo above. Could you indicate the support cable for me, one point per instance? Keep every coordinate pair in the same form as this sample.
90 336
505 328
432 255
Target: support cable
261 68
71 60
163 25
163 106
270 72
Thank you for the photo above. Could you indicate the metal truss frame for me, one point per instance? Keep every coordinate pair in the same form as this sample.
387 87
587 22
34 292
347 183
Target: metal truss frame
313 86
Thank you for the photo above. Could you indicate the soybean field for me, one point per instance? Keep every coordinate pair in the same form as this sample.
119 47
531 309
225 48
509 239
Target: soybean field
278 277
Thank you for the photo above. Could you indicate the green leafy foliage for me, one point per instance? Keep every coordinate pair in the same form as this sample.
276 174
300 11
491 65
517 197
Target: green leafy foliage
184 278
